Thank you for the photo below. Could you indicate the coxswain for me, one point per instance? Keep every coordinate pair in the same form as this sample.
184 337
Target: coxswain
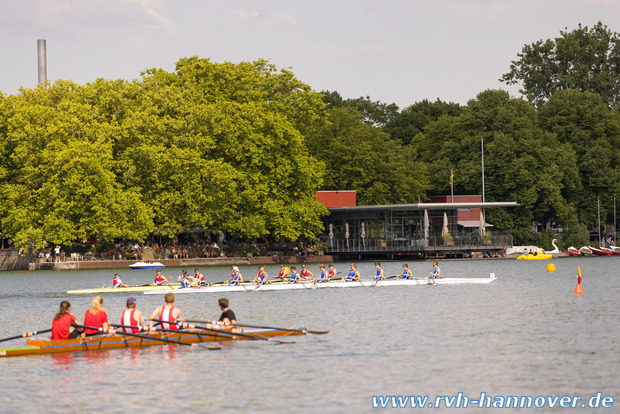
353 274
305 273
380 275
262 276
284 272
96 317
184 281
324 276
118 282
294 275
406 272
166 312
228 316
332 272
63 321
185 275
131 317
236 277
436 273
159 278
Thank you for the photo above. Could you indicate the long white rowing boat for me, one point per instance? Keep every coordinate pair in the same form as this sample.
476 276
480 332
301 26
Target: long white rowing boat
253 287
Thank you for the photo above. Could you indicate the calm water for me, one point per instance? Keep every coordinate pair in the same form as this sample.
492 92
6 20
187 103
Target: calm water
525 334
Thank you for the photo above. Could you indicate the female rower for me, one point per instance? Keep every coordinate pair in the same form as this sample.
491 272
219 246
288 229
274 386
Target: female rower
284 272
117 282
131 317
332 272
354 274
96 317
406 272
380 275
436 273
159 278
62 323
294 275
305 273
198 279
262 276
236 277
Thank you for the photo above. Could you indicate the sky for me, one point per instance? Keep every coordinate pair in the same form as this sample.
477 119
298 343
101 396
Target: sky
394 51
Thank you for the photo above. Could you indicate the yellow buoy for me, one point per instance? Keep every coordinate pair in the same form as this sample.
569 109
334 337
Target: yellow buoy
550 268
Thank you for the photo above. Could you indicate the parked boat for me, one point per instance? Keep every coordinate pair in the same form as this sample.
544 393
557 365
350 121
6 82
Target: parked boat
538 256
599 252
146 265
253 287
92 343
573 251
585 250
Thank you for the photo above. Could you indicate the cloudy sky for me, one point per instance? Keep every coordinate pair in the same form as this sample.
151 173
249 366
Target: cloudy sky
395 51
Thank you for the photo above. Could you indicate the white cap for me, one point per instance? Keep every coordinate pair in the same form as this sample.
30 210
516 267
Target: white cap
235 268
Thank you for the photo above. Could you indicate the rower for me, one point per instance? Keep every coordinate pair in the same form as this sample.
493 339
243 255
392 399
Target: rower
294 275
184 280
354 274
159 278
436 273
131 317
62 323
96 317
407 274
199 279
380 275
324 277
236 277
228 316
118 282
305 273
166 312
262 276
284 272
332 272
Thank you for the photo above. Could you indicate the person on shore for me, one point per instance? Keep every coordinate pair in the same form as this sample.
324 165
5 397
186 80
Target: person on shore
117 282
407 274
131 317
167 313
159 278
305 273
380 274
284 272
62 323
294 275
436 273
236 277
354 274
96 317
332 272
262 276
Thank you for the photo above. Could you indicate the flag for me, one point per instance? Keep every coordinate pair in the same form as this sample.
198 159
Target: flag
451 178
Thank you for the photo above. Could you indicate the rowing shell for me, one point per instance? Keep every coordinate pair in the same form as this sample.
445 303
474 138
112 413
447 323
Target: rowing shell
92 343
167 288
253 287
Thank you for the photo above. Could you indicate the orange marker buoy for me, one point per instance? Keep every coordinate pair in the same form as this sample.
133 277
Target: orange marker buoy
550 268
578 289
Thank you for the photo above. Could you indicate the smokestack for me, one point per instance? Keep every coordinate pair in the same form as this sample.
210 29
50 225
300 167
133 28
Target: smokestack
42 49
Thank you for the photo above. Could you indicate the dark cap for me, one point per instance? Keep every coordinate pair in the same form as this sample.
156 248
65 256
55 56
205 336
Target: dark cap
131 300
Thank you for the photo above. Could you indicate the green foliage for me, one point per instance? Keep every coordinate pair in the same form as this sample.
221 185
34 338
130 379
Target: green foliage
576 235
584 59
360 157
374 113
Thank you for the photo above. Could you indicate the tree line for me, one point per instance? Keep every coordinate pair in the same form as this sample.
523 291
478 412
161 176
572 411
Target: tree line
242 148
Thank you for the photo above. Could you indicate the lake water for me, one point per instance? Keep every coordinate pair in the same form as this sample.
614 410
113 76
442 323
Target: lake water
527 333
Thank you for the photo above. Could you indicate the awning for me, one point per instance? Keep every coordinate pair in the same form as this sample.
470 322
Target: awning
472 223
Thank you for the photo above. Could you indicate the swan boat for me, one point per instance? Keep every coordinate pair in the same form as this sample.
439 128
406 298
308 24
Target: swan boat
254 287
99 342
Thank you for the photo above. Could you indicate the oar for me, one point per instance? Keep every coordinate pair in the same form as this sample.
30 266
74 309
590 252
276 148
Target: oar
221 332
265 327
139 336
26 335
173 331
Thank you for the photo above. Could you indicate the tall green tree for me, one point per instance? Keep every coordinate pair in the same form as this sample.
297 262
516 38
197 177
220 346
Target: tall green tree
587 59
360 157
374 112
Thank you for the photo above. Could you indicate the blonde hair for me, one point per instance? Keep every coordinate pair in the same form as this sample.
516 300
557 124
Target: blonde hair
169 298
97 305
